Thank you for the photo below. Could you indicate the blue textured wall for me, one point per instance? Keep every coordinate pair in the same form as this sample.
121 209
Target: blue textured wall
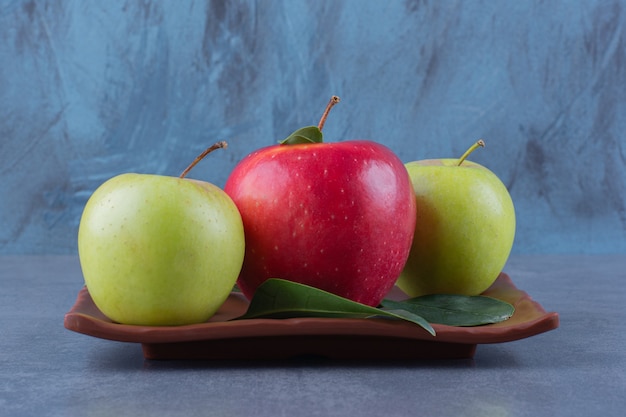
90 89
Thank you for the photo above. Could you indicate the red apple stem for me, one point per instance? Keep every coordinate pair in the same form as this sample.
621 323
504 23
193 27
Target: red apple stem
333 100
479 143
221 144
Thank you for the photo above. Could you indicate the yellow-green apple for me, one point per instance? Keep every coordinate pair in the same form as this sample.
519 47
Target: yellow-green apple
464 231
336 216
158 250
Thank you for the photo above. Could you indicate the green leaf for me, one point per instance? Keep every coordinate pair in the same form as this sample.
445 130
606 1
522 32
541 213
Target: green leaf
309 134
455 310
278 298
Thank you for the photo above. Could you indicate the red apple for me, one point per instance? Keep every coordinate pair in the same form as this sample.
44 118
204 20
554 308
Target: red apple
336 216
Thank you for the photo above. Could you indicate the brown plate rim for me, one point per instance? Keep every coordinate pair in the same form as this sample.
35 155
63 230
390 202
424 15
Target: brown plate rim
85 318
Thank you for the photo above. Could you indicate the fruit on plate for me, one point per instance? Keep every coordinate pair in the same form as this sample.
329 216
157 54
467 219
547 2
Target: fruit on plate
464 231
159 250
336 216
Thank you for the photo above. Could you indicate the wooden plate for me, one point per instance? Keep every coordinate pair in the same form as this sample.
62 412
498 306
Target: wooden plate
221 338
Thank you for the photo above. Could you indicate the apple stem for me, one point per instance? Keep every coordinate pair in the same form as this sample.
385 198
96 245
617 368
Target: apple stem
333 100
221 144
479 143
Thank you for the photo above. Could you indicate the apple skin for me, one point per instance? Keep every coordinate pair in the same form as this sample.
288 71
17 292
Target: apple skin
157 250
464 231
336 216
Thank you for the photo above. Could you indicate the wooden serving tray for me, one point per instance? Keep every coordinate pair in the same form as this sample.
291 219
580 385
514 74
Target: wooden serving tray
345 338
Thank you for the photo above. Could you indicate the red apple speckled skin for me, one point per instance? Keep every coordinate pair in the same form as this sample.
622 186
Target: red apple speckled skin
336 216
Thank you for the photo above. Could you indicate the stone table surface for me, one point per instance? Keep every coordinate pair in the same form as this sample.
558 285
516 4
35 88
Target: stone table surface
576 370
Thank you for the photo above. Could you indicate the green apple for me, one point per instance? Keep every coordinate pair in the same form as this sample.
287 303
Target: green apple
464 231
158 250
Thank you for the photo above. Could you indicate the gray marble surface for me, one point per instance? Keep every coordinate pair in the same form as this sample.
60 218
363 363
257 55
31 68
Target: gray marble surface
576 370
92 89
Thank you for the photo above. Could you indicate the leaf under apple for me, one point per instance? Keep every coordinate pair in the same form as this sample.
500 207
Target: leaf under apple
278 298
